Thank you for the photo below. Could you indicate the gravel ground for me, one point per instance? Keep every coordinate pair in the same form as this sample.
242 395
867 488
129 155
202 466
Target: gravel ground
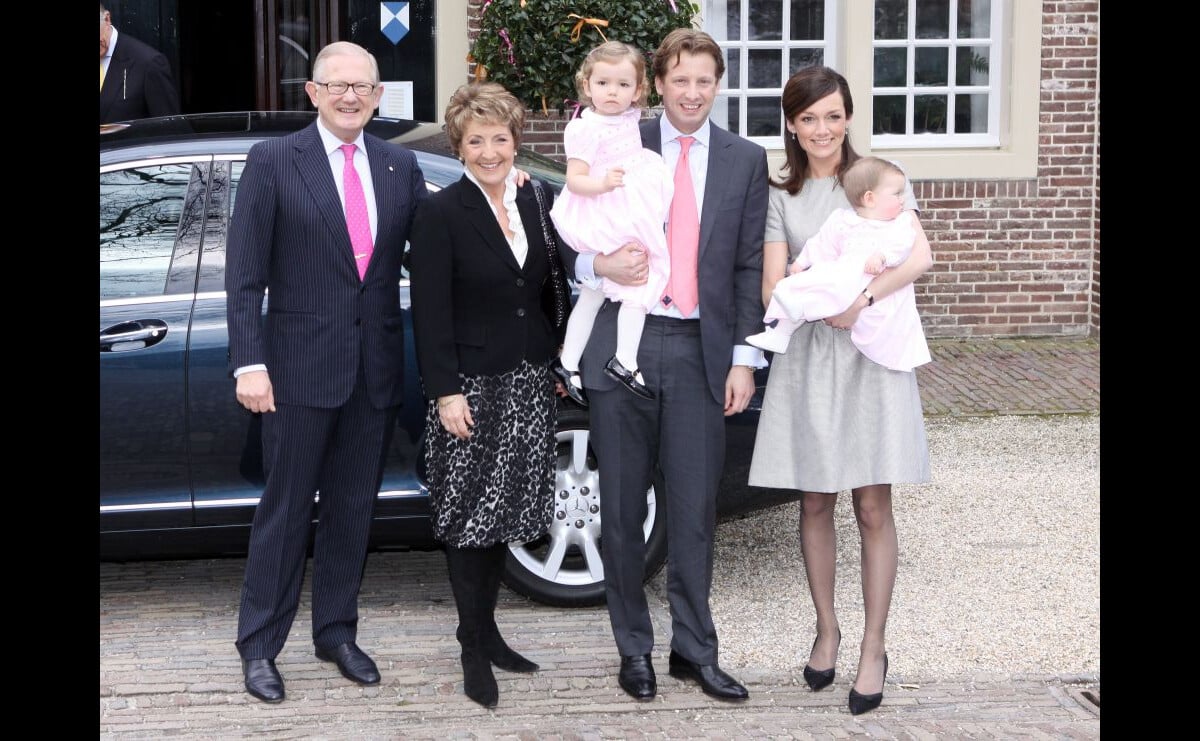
999 562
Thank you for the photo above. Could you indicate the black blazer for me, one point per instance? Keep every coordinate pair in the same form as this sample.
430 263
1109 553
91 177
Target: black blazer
288 233
475 310
138 83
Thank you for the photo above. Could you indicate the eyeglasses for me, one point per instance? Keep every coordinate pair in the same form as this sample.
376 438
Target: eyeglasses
340 88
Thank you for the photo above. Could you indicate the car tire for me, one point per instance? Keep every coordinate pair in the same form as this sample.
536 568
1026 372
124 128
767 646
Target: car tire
563 568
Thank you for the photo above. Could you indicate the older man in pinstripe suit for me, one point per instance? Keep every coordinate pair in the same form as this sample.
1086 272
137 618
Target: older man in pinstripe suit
325 368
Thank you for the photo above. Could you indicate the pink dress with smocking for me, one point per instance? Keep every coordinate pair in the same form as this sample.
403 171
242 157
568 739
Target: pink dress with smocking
634 212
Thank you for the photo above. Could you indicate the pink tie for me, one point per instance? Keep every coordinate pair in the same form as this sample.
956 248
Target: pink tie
356 213
683 237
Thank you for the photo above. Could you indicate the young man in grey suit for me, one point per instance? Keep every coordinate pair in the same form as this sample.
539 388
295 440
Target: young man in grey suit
693 364
321 220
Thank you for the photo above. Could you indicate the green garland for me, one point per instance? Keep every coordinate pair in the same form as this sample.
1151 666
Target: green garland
534 47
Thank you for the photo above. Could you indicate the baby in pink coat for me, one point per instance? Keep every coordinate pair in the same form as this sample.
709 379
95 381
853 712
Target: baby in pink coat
837 263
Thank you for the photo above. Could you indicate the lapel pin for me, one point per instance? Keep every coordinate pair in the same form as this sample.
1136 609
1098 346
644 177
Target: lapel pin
391 169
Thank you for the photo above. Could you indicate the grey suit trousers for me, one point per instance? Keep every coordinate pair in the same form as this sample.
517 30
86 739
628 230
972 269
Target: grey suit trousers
682 433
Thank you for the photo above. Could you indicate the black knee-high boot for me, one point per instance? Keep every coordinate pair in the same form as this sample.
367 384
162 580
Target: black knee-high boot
493 643
469 581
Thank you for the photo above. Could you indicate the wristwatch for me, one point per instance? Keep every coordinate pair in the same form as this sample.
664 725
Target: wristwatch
870 298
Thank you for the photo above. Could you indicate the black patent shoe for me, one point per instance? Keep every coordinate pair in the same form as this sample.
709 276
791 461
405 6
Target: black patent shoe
630 380
860 703
571 381
819 679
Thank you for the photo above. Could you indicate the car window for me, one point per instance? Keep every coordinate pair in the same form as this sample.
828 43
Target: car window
223 179
140 211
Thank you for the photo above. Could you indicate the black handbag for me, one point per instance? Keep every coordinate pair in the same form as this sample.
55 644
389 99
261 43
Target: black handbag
556 299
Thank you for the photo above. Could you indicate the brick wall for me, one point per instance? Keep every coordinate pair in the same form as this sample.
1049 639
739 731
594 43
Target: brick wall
1011 257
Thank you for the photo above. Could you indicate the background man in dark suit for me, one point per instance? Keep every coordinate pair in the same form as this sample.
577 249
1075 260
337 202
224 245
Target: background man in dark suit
325 368
695 368
135 78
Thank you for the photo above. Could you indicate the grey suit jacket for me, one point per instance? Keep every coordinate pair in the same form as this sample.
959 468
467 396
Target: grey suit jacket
732 222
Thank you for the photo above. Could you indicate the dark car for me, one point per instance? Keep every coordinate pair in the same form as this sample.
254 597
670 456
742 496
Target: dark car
180 459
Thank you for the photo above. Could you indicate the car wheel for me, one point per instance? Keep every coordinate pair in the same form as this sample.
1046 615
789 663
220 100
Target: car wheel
563 568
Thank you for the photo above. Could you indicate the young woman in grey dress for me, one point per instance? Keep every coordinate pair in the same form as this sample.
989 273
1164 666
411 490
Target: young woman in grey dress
832 419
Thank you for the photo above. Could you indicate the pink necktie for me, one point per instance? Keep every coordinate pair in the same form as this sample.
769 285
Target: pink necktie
356 213
683 237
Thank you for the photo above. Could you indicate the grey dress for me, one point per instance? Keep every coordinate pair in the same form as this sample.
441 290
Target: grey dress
832 420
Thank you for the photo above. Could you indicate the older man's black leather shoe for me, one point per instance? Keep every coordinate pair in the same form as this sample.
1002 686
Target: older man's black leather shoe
351 662
637 677
262 679
712 680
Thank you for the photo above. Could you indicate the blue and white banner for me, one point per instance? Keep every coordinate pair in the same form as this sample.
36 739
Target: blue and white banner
393 21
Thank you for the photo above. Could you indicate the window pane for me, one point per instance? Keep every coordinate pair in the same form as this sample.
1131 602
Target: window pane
932 66
801 58
763 116
891 67
971 114
808 20
727 113
766 67
974 19
139 218
971 65
733 69
891 19
933 19
929 114
888 114
295 52
733 19
766 20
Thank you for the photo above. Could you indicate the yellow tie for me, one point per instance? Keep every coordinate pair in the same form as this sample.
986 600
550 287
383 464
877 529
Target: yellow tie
101 74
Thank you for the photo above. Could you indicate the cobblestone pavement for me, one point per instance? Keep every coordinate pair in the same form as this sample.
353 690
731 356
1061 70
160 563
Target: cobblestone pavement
168 667
1034 376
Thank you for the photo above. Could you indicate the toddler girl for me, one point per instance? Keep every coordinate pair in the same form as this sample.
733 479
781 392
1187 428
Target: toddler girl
617 192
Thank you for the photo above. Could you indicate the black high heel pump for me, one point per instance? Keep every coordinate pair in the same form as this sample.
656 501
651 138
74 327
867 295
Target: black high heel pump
819 679
860 703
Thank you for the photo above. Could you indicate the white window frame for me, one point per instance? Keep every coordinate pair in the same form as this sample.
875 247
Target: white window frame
737 92
996 67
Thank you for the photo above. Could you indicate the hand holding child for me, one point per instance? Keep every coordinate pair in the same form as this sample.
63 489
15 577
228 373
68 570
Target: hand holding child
614 178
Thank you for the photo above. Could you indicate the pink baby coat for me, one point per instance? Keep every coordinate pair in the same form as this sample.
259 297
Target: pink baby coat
888 332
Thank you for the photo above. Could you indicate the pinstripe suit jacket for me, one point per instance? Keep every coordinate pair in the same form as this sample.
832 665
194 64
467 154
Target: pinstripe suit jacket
288 234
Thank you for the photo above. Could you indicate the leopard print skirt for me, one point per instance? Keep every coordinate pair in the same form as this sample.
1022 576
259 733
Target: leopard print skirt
498 485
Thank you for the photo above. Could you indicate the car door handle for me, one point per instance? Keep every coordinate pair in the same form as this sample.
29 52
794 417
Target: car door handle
133 335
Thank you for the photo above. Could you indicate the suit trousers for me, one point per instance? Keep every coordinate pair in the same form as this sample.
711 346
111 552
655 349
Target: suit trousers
340 453
682 431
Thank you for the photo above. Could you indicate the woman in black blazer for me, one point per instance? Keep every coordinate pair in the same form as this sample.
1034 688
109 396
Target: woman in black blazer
481 274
